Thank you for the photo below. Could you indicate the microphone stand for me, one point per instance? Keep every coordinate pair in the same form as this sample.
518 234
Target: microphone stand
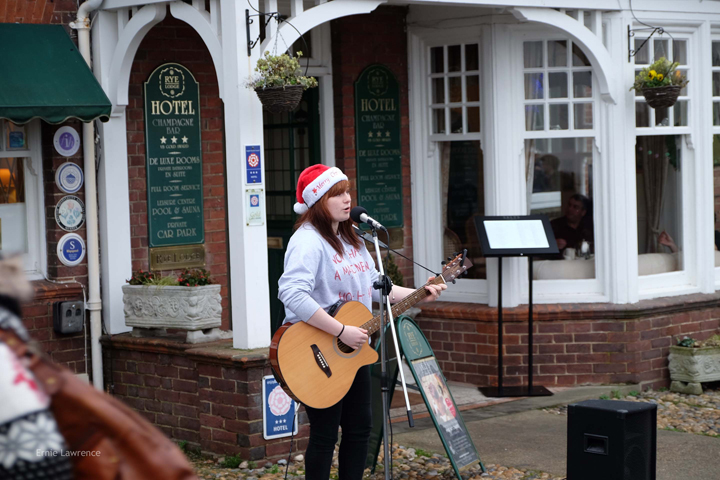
385 286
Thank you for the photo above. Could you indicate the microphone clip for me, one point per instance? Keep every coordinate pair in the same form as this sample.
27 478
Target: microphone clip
384 284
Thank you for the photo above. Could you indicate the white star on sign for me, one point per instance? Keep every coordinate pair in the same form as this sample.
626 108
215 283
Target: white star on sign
184 139
174 139
163 139
370 134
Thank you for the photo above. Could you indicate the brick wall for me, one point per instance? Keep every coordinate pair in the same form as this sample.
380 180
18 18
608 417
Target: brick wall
174 41
573 344
38 11
357 42
208 396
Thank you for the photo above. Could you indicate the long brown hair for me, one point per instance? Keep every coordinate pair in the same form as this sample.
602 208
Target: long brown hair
319 217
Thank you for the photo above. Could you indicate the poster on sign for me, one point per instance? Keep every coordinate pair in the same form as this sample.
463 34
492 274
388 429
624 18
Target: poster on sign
279 418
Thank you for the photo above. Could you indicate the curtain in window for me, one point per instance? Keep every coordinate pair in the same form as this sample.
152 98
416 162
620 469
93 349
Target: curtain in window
655 165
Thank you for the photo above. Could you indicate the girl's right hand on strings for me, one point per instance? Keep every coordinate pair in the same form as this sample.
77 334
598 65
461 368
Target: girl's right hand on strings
354 337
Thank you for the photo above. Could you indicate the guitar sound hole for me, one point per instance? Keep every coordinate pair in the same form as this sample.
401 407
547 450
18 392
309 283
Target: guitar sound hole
344 348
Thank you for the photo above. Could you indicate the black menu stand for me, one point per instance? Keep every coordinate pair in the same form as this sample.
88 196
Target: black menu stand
516 236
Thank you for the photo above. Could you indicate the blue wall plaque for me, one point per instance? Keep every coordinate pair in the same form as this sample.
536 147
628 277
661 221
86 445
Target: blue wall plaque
278 410
71 249
253 164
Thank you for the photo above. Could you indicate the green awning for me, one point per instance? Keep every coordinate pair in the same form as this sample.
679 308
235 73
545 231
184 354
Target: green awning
44 76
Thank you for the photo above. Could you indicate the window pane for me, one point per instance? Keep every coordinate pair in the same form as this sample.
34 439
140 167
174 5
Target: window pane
534 118
473 118
680 51
454 58
681 114
638 93
662 117
558 117
471 57
716 54
438 90
436 60
659 204
642 114
12 181
438 120
533 86
583 116
683 92
642 55
464 199
716 84
562 189
455 89
579 58
716 113
582 84
716 197
661 50
472 85
558 87
557 53
533 54
456 120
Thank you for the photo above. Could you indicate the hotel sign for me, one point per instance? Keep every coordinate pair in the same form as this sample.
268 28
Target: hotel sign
377 124
173 157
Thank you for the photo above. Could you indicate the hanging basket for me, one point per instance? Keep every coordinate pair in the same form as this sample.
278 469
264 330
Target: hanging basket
280 99
662 97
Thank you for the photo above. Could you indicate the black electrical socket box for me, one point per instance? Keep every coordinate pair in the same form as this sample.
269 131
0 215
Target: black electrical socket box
69 317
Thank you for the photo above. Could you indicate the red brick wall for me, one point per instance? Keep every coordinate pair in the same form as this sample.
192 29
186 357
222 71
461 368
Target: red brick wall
357 42
207 396
174 41
38 11
573 344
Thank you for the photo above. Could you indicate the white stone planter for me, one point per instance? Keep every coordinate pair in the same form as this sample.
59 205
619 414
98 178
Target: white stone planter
195 309
693 366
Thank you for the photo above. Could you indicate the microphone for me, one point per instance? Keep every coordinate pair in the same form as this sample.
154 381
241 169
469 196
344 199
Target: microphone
366 236
360 215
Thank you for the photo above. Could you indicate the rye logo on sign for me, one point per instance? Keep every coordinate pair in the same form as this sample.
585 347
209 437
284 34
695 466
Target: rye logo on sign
172 82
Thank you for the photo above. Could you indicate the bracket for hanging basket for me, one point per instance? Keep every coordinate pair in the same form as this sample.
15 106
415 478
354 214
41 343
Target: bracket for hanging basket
662 97
280 99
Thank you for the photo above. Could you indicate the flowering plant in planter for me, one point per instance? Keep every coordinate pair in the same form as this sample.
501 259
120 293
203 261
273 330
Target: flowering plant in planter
194 278
279 83
660 83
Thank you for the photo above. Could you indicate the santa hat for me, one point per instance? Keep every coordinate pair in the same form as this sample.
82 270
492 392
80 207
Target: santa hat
314 182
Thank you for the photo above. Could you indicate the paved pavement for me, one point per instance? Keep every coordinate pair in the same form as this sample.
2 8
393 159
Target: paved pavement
516 434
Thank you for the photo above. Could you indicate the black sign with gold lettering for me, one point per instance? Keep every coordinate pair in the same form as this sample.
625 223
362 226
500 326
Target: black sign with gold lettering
377 123
173 157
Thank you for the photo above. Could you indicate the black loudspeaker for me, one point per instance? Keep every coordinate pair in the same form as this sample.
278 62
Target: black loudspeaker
609 439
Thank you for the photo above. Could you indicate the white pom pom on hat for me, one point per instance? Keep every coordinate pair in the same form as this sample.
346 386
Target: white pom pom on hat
314 182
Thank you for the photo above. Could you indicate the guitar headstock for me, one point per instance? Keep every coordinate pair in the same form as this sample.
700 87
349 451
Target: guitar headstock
456 267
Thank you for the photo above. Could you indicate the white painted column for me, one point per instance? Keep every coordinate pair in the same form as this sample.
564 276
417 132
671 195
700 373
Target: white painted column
618 176
112 183
503 151
249 289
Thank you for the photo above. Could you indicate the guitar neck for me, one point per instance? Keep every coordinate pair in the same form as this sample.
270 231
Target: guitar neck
420 294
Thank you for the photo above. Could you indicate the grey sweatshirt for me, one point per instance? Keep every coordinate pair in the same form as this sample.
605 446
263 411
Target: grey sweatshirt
316 276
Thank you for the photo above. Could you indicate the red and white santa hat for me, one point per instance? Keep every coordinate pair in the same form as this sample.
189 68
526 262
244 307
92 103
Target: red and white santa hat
314 182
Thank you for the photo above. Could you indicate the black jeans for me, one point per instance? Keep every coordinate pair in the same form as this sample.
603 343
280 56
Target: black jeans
354 414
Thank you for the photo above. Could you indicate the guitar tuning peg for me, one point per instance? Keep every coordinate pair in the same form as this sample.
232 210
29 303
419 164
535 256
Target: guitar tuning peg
443 262
454 282
450 258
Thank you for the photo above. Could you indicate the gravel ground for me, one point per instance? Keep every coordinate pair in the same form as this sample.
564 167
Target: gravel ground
407 464
698 414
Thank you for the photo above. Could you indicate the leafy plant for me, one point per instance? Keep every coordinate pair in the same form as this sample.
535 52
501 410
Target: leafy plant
422 453
616 394
232 462
604 397
280 71
688 342
141 277
634 393
274 469
661 73
252 465
194 278
393 271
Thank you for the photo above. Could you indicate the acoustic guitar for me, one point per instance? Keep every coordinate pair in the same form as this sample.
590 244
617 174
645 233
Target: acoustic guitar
316 368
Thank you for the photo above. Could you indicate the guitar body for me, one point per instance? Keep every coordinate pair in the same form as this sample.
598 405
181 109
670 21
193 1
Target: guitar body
310 365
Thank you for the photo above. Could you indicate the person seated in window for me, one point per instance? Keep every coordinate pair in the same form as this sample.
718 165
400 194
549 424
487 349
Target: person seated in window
575 226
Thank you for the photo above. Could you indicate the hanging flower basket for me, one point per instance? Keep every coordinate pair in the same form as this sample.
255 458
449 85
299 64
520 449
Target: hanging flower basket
662 97
280 99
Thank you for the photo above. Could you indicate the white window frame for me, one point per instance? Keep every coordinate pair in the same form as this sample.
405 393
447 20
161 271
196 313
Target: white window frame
35 259
686 281
562 290
715 130
425 156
